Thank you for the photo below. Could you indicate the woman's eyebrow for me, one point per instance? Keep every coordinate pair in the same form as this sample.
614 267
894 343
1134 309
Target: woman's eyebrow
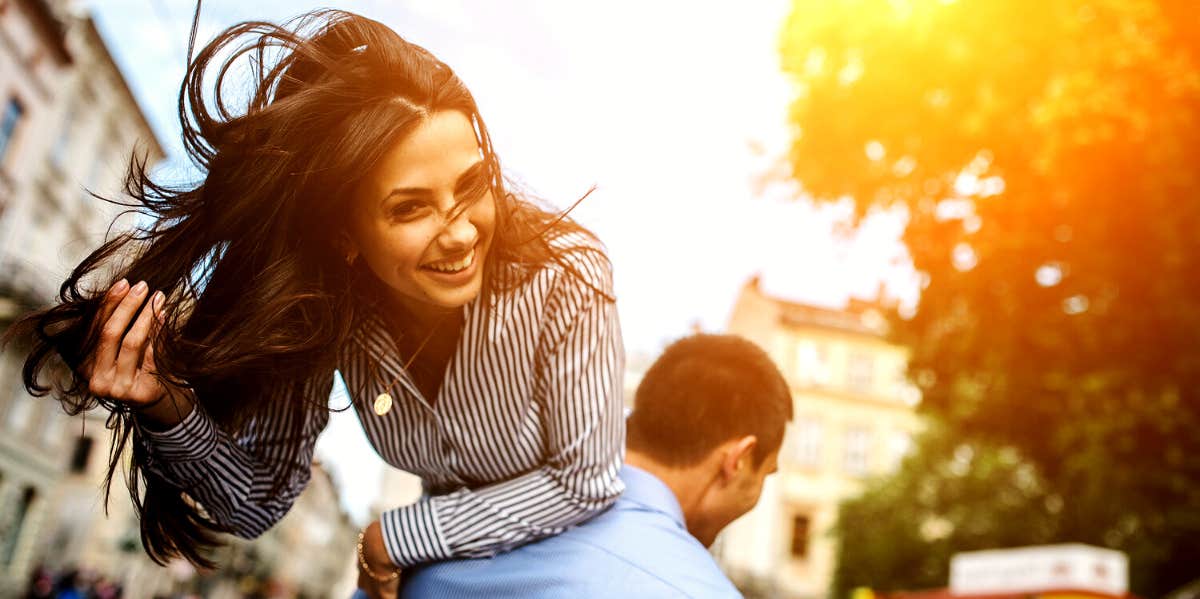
406 191
470 171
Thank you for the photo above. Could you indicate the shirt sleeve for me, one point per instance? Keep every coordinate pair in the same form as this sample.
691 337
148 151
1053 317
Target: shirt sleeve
579 387
246 481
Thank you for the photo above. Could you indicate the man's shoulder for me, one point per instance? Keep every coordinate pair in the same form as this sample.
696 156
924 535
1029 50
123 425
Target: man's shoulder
651 542
645 537
627 550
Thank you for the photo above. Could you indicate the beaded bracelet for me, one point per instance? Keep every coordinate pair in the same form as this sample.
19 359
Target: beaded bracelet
362 562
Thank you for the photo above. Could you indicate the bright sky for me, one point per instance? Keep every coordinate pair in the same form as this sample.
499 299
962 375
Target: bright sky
674 109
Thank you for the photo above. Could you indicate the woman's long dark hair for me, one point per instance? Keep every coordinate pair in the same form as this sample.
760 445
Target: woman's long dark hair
257 296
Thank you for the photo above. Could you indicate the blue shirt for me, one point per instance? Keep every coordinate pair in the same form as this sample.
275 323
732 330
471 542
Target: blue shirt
638 548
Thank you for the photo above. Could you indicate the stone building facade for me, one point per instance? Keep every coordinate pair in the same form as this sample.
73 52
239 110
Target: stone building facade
854 418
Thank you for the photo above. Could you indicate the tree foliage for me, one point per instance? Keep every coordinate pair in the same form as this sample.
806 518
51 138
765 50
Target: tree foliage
949 496
1045 153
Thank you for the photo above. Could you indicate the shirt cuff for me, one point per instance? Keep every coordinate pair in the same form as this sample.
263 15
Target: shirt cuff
193 438
413 535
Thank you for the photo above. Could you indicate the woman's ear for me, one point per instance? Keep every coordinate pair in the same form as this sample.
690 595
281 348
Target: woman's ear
346 247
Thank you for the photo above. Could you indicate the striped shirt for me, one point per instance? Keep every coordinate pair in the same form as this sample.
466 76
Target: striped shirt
525 438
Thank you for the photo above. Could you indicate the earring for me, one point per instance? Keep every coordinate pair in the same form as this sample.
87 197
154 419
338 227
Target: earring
350 258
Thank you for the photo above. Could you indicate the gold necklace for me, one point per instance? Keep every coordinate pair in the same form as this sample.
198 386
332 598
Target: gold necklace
383 401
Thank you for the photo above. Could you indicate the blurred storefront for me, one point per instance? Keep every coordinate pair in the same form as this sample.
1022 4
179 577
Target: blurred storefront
1068 571
854 418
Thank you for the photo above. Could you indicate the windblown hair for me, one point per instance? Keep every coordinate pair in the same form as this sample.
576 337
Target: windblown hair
703 391
257 296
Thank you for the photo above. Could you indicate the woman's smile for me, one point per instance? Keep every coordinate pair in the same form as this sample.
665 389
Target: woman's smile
453 265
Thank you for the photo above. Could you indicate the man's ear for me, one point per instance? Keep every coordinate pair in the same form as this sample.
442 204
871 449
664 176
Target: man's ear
738 456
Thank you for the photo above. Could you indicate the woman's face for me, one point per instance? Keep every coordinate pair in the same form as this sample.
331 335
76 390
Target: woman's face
424 217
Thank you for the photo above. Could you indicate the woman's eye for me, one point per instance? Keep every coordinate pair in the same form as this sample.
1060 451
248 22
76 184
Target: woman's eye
473 189
406 210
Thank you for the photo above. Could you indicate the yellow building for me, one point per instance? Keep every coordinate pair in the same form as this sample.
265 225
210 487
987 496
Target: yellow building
854 418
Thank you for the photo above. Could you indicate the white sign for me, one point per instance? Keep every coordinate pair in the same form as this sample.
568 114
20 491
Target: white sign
1037 569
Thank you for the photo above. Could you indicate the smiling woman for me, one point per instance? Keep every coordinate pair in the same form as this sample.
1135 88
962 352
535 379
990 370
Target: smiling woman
424 216
353 218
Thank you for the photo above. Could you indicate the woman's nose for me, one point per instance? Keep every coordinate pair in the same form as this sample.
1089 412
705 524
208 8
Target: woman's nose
459 233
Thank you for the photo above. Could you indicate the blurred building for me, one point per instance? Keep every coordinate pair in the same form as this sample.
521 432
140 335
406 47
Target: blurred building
319 529
81 531
854 418
307 554
67 121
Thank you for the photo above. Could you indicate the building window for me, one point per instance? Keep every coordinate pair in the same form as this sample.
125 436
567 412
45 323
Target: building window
10 528
81 454
13 112
20 411
901 446
53 423
62 145
858 445
100 170
805 442
812 363
860 372
800 531
46 211
898 379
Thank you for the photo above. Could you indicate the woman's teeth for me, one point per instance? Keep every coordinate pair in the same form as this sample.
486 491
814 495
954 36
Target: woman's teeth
452 267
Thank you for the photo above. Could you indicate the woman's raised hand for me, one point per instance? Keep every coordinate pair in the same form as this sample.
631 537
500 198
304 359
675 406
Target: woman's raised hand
121 367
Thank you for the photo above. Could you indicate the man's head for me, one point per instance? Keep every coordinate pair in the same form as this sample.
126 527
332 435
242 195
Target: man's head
708 420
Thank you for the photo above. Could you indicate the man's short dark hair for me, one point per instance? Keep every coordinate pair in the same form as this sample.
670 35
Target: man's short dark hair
703 391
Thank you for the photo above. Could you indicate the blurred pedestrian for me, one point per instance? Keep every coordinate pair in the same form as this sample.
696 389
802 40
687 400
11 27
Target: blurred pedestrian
70 585
106 589
41 584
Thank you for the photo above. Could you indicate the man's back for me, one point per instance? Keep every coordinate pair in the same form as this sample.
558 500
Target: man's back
638 548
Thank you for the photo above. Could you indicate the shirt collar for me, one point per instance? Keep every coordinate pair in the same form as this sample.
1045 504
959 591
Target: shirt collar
647 490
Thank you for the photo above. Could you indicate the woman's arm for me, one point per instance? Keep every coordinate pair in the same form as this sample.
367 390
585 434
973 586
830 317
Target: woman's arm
246 481
581 365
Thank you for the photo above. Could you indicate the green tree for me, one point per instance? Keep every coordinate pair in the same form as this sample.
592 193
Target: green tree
949 496
1045 153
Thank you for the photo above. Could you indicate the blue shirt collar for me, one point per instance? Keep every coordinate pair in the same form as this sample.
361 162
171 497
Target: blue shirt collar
648 491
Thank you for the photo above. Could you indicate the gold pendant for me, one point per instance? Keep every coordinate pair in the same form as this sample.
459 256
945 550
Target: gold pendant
383 404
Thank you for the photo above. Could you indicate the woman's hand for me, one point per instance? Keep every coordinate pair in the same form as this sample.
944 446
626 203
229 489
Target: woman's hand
376 572
121 367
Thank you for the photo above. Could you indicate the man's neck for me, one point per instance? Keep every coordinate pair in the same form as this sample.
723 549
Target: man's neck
689 484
